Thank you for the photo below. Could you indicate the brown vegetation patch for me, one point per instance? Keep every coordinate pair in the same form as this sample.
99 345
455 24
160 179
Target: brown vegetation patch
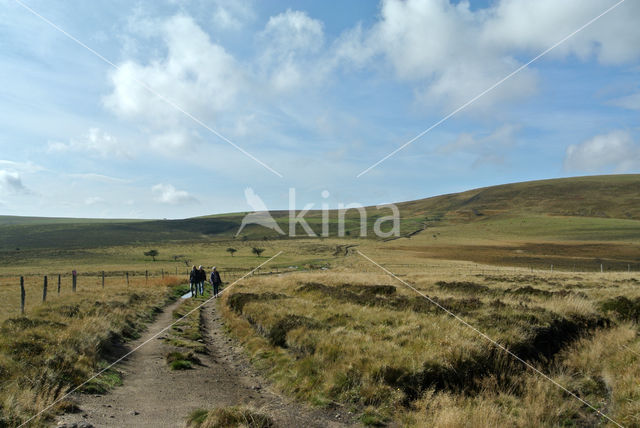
463 286
237 301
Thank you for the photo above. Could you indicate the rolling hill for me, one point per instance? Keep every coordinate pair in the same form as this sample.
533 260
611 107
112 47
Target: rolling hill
579 208
604 196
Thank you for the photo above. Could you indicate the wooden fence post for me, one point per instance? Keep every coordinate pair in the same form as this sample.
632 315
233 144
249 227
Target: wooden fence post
600 267
59 280
22 295
102 279
74 280
127 275
146 276
44 289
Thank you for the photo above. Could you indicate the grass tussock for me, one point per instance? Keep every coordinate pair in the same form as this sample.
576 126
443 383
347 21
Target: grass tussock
230 417
181 361
187 333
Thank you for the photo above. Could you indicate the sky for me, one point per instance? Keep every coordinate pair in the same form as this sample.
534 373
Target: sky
172 109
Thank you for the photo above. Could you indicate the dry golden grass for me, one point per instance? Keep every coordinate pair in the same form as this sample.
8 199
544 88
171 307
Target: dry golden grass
385 356
60 344
390 359
87 287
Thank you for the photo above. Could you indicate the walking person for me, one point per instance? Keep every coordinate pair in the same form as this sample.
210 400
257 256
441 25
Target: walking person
215 281
193 278
202 277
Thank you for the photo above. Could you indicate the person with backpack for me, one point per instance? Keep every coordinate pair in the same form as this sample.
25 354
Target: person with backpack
202 277
193 279
215 281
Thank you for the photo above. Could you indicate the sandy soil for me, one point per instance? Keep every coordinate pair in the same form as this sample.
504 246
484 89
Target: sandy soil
152 395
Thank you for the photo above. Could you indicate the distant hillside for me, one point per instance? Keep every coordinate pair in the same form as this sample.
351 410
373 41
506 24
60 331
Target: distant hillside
566 199
606 196
96 233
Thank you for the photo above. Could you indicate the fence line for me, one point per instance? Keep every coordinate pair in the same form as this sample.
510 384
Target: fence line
231 274
101 279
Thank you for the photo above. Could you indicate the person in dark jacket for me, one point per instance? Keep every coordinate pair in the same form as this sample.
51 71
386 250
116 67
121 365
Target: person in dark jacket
202 278
193 280
215 281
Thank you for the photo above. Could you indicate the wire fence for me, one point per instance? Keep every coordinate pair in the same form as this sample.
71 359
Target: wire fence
19 293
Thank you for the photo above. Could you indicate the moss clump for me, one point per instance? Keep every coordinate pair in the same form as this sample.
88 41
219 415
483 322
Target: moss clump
180 361
229 417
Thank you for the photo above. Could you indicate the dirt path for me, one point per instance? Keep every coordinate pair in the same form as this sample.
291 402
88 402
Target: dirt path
154 396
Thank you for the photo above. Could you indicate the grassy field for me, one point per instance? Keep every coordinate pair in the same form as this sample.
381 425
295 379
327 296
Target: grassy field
72 333
521 262
367 341
59 344
34 264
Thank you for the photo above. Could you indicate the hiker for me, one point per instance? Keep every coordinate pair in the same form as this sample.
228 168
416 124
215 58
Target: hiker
215 281
202 277
193 278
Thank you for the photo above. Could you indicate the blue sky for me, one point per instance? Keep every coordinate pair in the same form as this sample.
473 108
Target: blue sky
317 91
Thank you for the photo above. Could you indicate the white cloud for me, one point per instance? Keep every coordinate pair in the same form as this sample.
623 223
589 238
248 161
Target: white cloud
487 149
11 183
294 31
95 141
173 141
21 166
535 26
631 102
291 43
99 177
437 46
232 14
93 200
197 75
168 194
615 151
352 48
452 53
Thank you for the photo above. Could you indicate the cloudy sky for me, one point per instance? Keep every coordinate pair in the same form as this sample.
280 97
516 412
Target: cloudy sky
171 109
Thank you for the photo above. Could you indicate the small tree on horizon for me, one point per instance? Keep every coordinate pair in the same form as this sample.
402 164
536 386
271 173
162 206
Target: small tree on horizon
257 251
152 254
231 251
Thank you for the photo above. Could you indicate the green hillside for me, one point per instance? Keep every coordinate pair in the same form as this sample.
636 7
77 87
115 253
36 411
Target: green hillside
604 196
581 208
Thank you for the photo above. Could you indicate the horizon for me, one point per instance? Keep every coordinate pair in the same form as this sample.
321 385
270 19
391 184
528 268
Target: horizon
313 210
205 99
